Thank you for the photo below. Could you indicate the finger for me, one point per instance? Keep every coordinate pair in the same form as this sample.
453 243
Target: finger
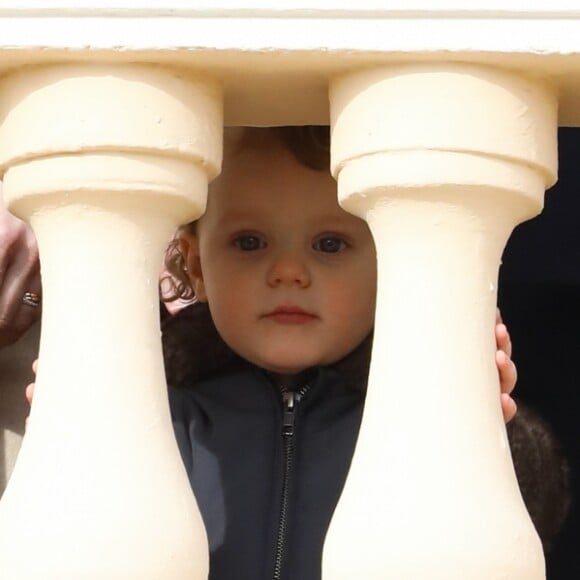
498 318
503 339
35 366
509 407
29 392
15 316
508 374
12 330
22 275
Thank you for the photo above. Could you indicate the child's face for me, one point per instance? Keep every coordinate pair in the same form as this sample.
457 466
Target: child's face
289 276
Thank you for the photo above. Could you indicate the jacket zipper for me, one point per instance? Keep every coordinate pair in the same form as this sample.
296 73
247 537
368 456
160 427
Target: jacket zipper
290 400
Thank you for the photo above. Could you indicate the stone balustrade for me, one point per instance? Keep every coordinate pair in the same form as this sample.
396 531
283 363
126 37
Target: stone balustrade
443 125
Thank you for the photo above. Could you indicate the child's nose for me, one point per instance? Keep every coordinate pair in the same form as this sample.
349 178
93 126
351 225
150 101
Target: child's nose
289 270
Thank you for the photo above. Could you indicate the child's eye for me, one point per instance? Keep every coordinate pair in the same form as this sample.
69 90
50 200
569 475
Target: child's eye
329 244
249 243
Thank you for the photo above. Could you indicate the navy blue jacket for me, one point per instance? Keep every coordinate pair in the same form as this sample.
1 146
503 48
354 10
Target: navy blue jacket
266 477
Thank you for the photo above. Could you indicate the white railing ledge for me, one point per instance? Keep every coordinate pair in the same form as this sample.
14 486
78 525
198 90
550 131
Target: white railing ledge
292 49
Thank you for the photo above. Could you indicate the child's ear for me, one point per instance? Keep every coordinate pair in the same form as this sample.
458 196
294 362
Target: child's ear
189 246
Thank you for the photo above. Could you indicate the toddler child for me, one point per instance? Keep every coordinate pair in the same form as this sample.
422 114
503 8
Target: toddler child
268 367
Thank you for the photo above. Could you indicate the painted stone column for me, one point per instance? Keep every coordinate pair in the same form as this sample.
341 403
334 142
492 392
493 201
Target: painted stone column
442 161
104 161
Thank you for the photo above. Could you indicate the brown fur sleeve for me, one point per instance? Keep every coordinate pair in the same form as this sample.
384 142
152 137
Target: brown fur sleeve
542 472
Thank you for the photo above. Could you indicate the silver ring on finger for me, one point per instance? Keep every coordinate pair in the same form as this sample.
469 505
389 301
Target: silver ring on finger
31 299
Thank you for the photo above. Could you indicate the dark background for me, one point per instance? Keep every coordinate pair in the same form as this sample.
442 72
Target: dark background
539 297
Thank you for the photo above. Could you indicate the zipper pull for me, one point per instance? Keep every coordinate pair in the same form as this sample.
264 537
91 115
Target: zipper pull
289 398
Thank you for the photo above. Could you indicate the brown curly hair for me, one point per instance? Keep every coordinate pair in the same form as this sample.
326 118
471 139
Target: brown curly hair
309 144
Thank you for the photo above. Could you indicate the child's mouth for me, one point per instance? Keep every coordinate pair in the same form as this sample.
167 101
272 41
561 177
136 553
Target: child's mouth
289 314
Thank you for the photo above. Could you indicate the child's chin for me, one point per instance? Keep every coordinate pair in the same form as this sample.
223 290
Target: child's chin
286 361
289 367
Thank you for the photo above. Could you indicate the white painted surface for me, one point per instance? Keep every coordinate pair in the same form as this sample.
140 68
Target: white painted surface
401 6
125 156
291 49
442 162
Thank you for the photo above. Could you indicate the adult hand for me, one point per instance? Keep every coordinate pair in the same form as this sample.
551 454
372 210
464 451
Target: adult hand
508 374
19 273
